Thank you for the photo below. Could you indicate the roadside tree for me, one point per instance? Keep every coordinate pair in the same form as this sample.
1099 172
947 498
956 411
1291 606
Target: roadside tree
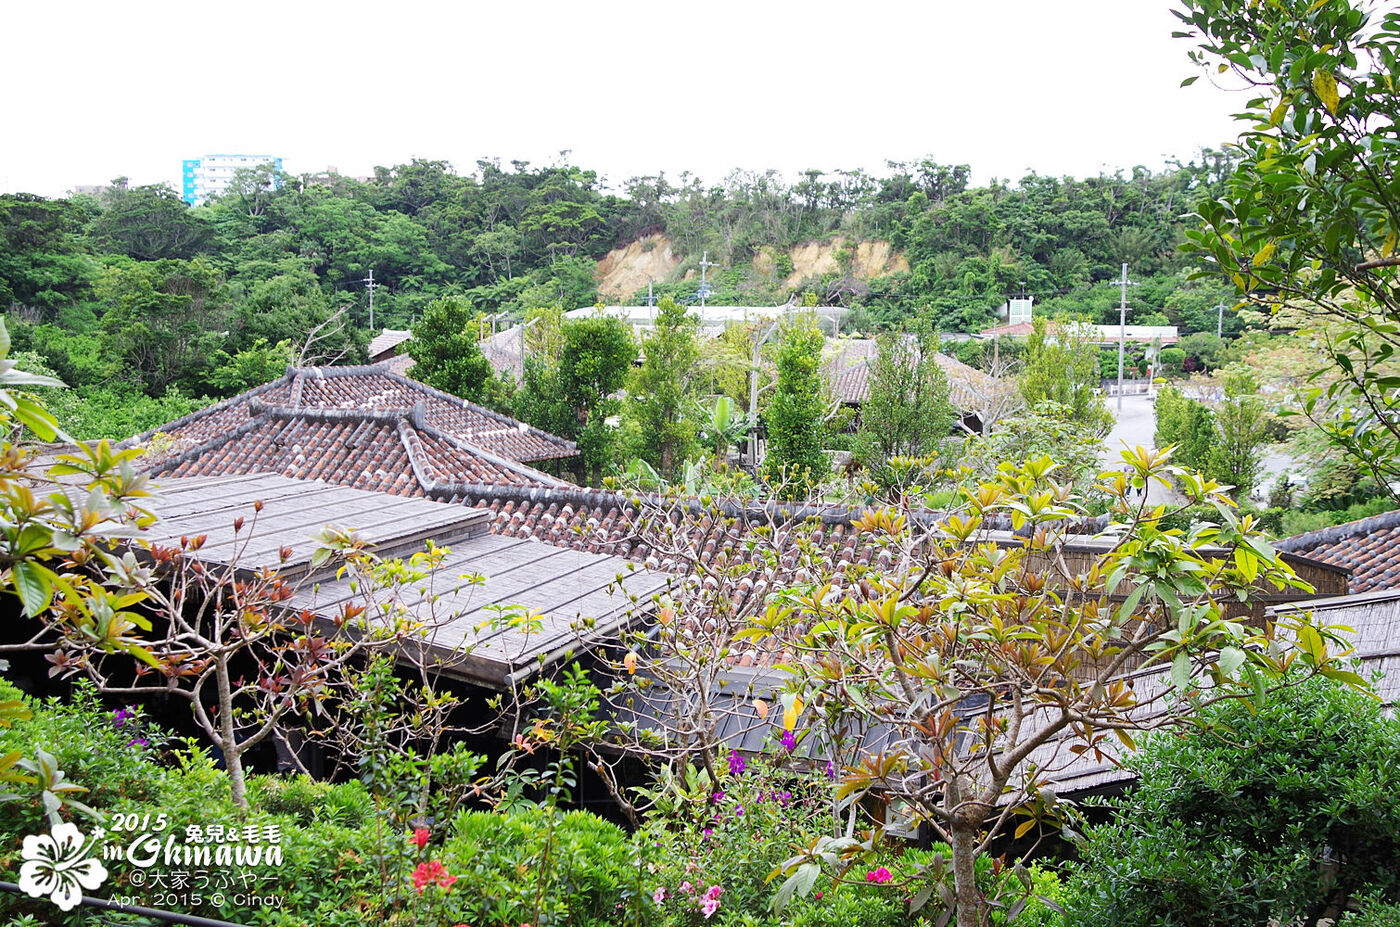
1062 367
659 396
908 413
796 415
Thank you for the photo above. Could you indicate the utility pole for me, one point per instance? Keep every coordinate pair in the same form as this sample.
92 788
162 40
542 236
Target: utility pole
1219 319
1122 334
370 285
704 287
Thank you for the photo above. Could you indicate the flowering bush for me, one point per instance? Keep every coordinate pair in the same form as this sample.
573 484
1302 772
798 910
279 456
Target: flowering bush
107 753
431 873
707 857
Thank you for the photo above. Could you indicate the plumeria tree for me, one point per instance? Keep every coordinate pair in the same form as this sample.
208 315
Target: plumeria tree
223 637
981 663
59 522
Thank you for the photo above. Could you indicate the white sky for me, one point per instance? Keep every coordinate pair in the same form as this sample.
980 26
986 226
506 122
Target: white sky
91 91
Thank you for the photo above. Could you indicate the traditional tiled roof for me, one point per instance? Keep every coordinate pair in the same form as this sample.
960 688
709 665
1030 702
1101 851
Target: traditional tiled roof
399 363
1374 620
577 598
394 452
760 547
369 390
849 371
1019 330
1369 548
387 343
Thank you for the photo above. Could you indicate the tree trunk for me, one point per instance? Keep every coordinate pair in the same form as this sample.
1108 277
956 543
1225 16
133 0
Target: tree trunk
963 831
964 837
233 754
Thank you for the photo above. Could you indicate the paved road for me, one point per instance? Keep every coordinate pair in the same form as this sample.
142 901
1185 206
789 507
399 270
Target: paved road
1137 425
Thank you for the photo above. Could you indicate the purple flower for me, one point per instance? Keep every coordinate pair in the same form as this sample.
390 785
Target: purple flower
737 765
784 798
139 742
830 770
708 832
717 797
121 716
789 741
739 809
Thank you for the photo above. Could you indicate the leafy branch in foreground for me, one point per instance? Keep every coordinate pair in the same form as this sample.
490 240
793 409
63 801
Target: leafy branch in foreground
981 663
1309 220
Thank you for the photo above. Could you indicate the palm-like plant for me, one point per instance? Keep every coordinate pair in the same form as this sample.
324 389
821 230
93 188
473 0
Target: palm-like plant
723 426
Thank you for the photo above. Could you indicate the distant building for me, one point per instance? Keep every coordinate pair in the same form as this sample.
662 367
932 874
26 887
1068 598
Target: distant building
202 178
389 349
1019 310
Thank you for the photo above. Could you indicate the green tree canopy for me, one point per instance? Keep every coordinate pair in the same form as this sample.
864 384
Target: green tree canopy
1063 367
165 320
659 407
445 350
796 415
908 412
150 223
1310 218
574 396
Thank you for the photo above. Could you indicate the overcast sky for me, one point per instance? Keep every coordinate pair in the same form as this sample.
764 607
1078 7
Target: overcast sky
92 91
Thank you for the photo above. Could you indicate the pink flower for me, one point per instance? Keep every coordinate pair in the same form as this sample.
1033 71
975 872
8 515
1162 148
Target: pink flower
713 893
881 875
658 896
686 888
709 906
432 872
421 836
818 896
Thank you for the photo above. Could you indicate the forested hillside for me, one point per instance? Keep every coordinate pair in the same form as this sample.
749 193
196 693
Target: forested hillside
146 306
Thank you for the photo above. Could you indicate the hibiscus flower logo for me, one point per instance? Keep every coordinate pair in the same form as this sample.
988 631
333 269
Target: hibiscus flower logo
57 864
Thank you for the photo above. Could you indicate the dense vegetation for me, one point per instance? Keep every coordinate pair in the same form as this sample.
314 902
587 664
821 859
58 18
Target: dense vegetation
132 294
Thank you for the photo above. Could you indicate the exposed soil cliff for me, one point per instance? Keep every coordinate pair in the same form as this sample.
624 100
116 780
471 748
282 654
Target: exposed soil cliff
624 271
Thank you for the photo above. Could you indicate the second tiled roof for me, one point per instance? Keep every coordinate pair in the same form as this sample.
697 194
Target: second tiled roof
370 390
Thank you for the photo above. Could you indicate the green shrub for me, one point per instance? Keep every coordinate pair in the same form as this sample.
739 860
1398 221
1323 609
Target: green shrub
309 800
111 754
729 835
1283 810
1372 913
848 907
538 866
